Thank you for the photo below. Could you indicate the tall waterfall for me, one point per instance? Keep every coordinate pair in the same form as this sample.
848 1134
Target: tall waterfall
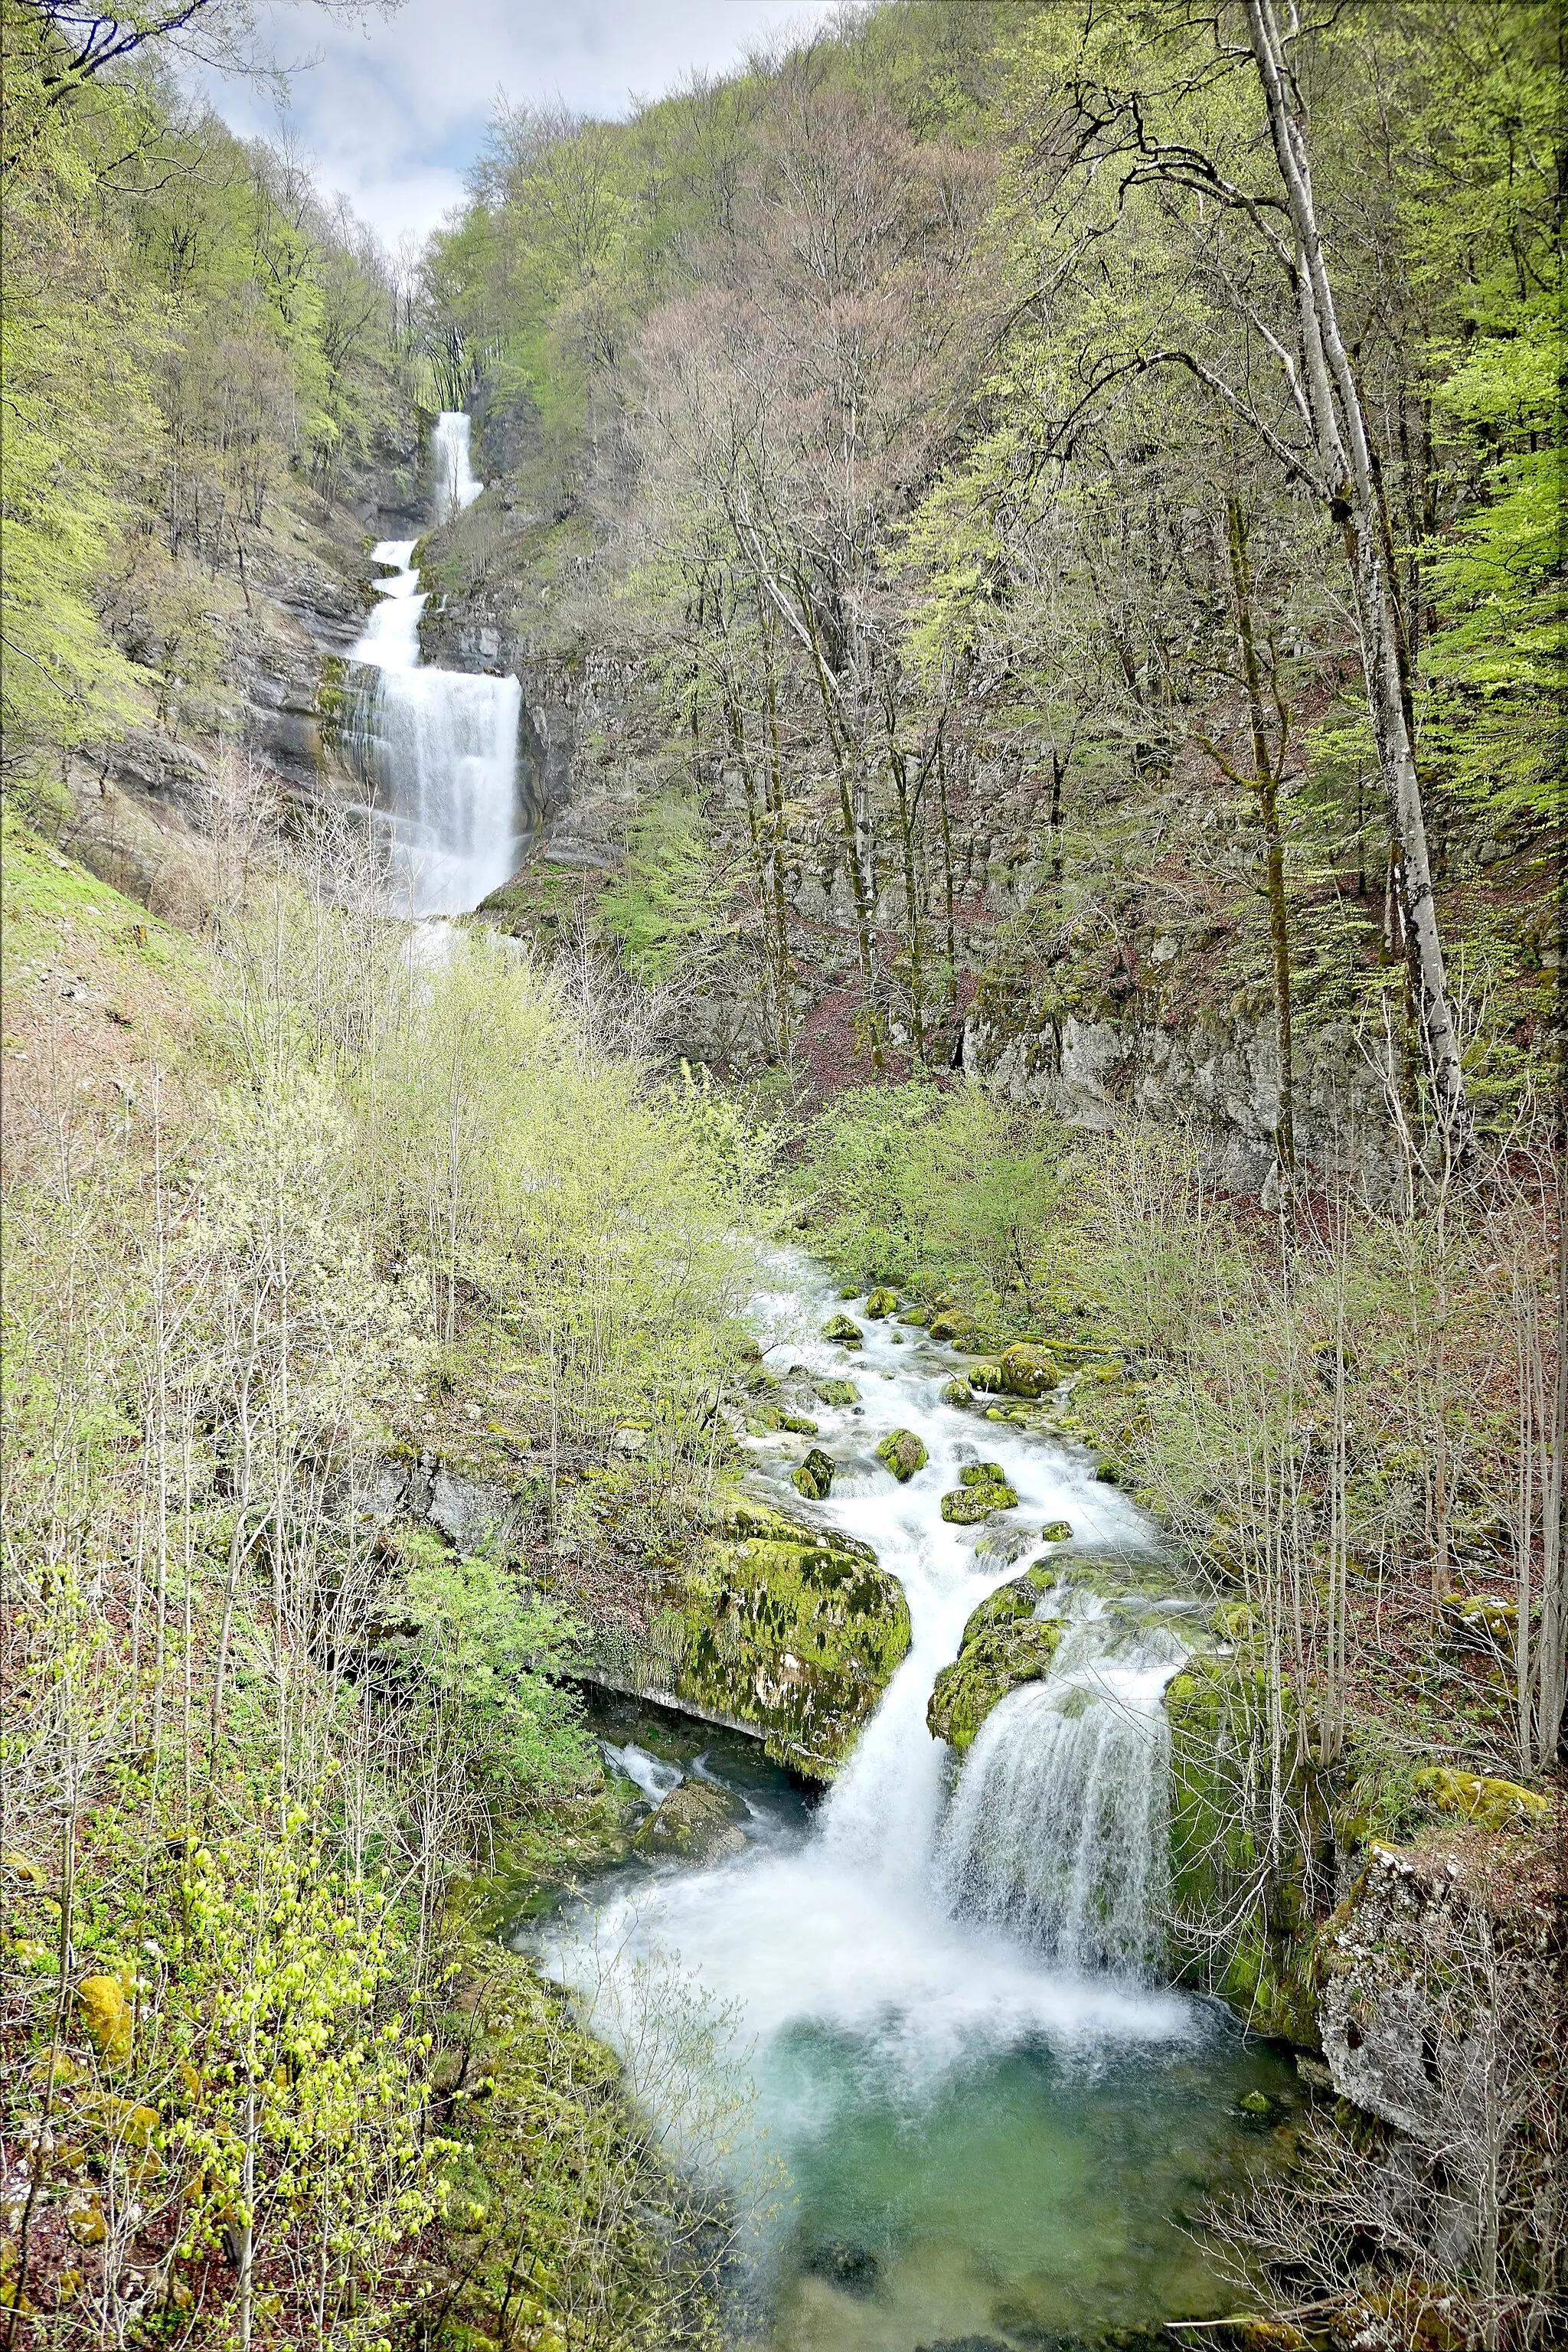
1057 1832
437 746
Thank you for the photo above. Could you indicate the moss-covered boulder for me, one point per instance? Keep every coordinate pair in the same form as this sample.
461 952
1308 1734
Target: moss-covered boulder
965 1506
1477 1796
837 1393
957 1326
697 1821
957 1392
1005 1643
799 1424
1028 1370
813 1479
903 1453
843 1331
882 1302
1059 1531
794 1631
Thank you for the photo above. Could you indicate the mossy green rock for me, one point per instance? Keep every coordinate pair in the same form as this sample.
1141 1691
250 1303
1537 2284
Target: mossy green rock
919 1316
794 1630
1005 1644
880 1303
697 1821
844 1330
958 1391
838 1391
988 1378
1027 1370
957 1326
969 1504
903 1453
813 1479
1059 1531
799 1424
983 1474
1478 1797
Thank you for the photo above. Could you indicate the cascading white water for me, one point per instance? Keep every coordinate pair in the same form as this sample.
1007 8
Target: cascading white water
869 1927
439 746
1058 1829
455 487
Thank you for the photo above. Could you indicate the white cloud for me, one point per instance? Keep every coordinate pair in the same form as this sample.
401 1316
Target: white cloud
394 109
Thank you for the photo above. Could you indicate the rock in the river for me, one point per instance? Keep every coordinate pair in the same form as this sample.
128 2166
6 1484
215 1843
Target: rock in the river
984 1489
853 2268
1059 1531
838 1391
844 1330
695 1822
958 1391
881 1303
1005 1643
903 1453
813 1479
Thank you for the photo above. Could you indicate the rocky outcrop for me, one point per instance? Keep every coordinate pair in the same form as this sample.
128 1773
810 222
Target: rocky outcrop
1442 2014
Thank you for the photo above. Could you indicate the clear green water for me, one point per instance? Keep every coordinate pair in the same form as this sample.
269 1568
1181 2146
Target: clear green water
1024 2191
1032 2198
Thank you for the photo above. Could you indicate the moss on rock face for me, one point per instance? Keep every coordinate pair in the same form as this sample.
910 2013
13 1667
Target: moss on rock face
1496 1804
838 1391
1218 1709
958 1327
1005 1643
794 1630
903 1453
844 1330
882 1302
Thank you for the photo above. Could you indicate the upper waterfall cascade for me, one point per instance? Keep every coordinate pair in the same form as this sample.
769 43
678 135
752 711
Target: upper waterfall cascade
439 746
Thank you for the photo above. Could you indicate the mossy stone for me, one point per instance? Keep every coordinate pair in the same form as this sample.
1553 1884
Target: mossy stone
799 1424
903 1453
813 1479
837 1393
881 1303
957 1392
843 1331
697 1821
1059 1531
1028 1370
967 1505
1478 1797
1005 1644
107 2014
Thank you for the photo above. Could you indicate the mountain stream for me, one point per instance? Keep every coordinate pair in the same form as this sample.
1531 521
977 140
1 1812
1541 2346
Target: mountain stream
943 1987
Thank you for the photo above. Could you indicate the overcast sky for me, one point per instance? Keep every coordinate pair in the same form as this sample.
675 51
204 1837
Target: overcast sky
396 108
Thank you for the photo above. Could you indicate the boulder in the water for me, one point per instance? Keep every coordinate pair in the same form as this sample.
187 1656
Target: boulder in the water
958 1391
1005 1643
695 1822
837 1393
881 1303
903 1453
1028 1370
813 1479
844 1330
1059 1531
844 2264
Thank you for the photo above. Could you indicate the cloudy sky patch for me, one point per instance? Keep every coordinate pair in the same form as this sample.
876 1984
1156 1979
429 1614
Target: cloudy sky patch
394 109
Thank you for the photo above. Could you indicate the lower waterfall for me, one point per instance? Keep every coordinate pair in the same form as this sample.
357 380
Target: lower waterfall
944 1988
437 747
1058 1829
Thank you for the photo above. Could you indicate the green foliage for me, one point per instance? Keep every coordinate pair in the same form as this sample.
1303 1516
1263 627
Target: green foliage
488 1651
667 899
926 1188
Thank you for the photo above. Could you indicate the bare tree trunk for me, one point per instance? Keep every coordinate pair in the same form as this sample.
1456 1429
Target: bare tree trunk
1266 779
1344 446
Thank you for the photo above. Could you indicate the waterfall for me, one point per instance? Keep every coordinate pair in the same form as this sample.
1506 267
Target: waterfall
438 746
455 485
1057 1832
